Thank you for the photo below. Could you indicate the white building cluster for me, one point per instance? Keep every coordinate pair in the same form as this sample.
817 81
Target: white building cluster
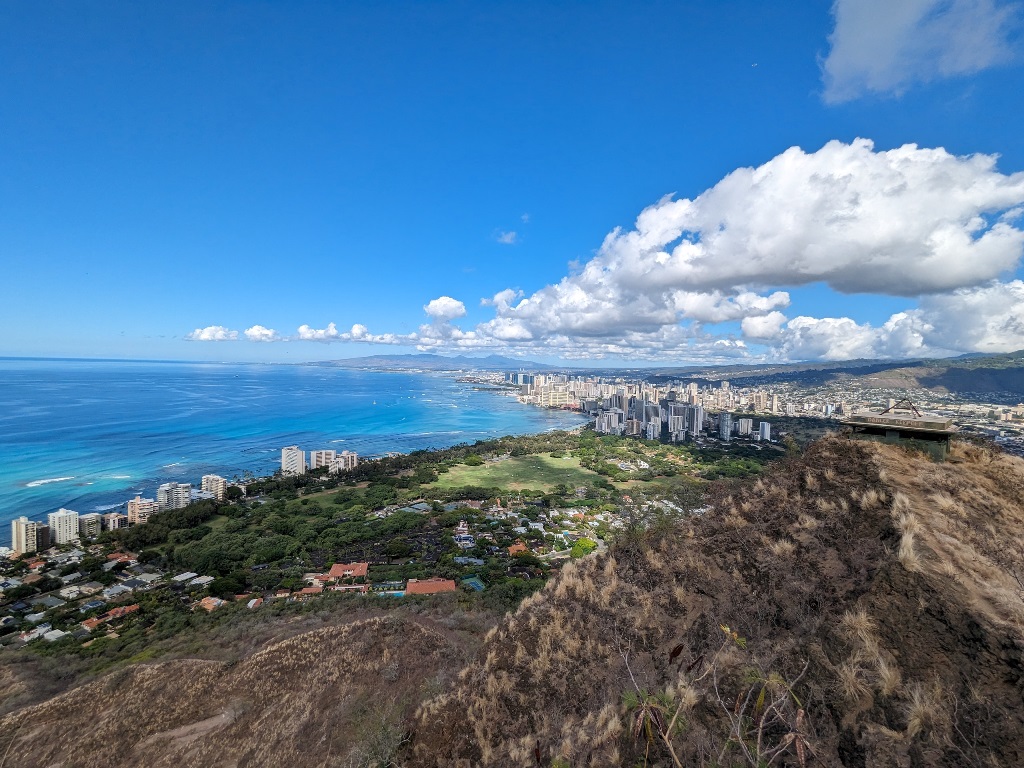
66 526
293 460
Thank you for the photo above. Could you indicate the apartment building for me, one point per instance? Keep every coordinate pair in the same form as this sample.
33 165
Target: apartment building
63 526
216 485
140 510
173 496
293 461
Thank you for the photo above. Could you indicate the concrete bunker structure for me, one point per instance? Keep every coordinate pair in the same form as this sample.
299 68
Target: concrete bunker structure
930 434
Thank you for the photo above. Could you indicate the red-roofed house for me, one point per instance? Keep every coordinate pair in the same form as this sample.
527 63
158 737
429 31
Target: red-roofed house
517 549
308 593
91 624
117 613
429 586
349 570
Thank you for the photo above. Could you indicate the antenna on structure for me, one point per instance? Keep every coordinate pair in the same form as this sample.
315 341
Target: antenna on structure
910 407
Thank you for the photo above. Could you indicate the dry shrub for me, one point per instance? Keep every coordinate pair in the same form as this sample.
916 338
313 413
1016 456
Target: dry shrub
853 681
888 676
924 711
783 548
806 522
871 499
858 627
908 555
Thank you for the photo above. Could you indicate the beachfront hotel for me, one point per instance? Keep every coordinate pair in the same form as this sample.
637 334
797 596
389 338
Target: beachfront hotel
293 461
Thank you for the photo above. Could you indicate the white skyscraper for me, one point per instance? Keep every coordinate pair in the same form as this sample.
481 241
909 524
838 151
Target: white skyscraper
293 461
765 431
23 535
173 495
63 526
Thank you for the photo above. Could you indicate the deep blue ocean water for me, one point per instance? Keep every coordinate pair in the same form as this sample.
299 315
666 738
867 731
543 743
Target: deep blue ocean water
90 435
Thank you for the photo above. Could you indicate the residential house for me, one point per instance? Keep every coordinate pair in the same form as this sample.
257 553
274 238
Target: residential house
349 571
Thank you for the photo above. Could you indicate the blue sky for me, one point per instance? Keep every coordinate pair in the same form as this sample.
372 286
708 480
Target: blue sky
366 174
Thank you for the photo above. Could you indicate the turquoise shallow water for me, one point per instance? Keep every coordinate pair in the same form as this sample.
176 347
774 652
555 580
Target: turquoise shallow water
89 435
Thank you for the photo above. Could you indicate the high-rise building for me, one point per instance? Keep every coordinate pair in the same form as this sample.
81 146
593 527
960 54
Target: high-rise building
765 431
90 525
216 485
744 427
173 496
695 419
293 461
63 526
140 510
775 403
725 426
676 419
323 458
43 541
344 461
23 535
114 520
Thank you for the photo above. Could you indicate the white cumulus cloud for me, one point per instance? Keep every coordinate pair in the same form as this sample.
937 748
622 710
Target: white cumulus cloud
987 318
445 308
261 333
884 47
907 221
212 333
506 238
307 333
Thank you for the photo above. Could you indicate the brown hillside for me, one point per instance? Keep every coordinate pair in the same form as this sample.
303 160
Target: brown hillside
338 696
861 606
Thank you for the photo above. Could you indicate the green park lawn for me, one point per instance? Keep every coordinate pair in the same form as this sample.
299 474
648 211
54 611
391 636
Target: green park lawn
538 472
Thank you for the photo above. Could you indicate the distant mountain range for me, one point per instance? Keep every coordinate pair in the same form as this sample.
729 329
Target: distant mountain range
978 374
1001 374
429 362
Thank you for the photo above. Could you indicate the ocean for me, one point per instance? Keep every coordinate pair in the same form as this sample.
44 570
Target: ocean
89 435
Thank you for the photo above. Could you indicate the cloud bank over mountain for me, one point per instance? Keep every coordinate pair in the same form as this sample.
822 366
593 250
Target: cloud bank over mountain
940 230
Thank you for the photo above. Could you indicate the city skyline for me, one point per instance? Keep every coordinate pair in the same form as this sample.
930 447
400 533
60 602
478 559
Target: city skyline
590 184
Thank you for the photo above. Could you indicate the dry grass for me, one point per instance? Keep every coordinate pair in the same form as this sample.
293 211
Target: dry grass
317 693
924 711
782 548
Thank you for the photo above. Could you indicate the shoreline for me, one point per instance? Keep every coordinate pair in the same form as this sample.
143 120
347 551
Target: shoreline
101 482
